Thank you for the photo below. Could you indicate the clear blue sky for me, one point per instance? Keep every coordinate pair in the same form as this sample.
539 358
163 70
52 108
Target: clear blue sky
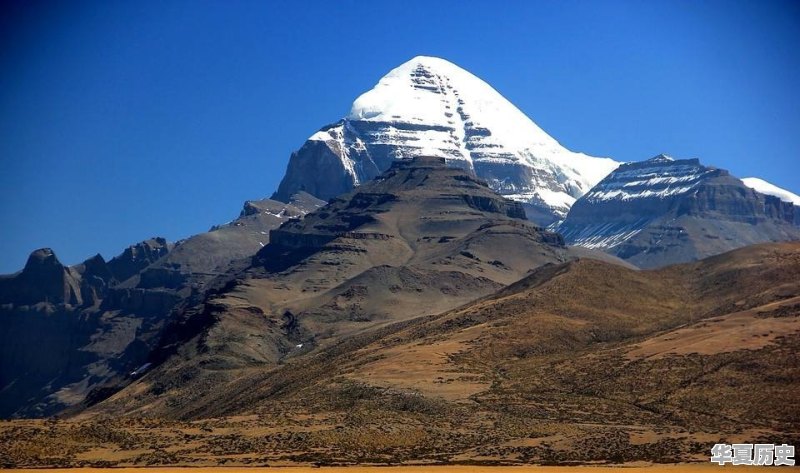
122 120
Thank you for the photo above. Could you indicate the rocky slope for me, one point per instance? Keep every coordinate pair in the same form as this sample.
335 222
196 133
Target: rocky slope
420 239
65 328
99 320
652 366
429 106
665 211
198 259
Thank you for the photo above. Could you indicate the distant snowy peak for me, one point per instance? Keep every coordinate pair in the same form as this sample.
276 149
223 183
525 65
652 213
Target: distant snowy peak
764 187
659 177
431 91
667 210
622 204
429 106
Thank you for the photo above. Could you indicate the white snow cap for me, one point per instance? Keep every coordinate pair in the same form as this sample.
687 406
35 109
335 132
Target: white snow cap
398 97
484 127
760 185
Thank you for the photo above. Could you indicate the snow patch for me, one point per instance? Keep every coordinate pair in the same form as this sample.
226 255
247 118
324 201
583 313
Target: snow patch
764 187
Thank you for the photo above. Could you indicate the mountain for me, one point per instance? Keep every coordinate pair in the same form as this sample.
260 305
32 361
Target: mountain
200 258
663 211
60 333
99 320
421 238
635 366
767 188
429 106
426 312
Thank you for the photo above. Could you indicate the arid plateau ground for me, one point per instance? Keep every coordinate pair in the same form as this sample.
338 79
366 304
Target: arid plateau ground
631 468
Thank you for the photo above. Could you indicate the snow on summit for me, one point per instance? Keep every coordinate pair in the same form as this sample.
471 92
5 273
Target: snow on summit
479 125
430 106
767 188
431 91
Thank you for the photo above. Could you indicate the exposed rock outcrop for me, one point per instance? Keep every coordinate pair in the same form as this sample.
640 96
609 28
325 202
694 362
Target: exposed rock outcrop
100 320
665 211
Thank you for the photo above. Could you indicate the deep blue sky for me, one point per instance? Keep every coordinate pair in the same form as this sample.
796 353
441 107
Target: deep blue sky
124 120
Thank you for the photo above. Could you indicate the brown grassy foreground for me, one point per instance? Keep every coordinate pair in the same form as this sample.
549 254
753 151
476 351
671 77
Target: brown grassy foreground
633 468
637 368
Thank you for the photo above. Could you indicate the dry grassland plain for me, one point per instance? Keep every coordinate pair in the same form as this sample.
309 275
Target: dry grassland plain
627 468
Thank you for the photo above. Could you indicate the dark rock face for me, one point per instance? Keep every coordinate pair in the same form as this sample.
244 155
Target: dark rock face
44 278
665 211
100 320
89 331
321 159
156 302
346 213
488 204
137 257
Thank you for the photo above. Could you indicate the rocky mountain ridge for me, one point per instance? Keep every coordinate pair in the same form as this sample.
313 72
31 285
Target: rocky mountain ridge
663 211
421 238
100 319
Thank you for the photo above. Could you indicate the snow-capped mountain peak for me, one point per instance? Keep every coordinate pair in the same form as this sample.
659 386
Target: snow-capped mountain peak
658 177
764 187
433 91
661 158
430 106
663 211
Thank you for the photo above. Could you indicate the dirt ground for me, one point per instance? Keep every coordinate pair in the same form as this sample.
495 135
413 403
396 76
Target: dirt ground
631 468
